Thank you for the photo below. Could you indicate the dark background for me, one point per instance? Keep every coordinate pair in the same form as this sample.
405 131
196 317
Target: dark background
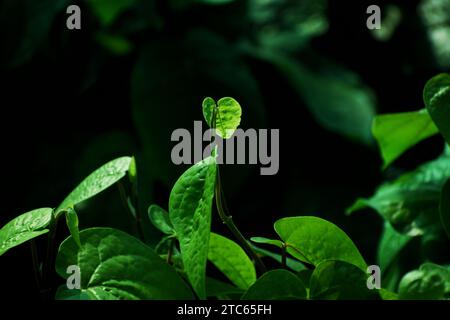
73 100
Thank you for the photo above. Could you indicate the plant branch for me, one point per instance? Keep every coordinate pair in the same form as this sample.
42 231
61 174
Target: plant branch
170 251
35 260
283 256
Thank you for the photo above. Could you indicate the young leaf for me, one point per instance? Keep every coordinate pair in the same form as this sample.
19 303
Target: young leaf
436 96
108 10
263 240
314 240
96 182
228 115
410 203
430 282
72 224
276 285
397 132
232 260
339 280
445 207
115 265
190 206
160 219
24 227
132 171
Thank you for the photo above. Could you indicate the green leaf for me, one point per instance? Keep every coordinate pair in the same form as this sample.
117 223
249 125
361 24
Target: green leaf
228 115
430 282
314 240
276 285
72 224
444 207
214 2
276 243
24 227
339 280
290 262
390 246
190 206
397 132
108 10
96 182
410 203
115 265
160 219
232 261
436 96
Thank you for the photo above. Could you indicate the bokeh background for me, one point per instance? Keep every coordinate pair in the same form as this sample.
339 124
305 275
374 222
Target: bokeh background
72 100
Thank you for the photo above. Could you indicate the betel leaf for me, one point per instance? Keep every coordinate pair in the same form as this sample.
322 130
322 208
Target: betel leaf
291 263
410 203
24 227
397 132
64 293
276 285
160 219
72 224
314 240
274 242
232 261
436 96
96 182
444 207
430 282
228 115
115 265
190 206
339 280
390 246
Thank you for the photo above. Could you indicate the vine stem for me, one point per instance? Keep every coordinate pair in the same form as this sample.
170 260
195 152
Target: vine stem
227 218
283 256
170 251
35 259
136 214
49 256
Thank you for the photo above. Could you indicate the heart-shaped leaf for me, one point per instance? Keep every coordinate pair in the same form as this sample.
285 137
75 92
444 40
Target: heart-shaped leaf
314 240
276 285
115 265
397 132
24 227
228 115
190 206
96 182
232 260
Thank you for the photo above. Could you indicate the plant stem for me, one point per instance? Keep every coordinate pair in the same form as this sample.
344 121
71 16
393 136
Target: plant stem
48 262
135 215
228 220
283 256
170 251
35 259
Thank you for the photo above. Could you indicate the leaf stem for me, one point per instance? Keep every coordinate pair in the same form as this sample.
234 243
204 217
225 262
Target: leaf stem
228 220
170 251
49 256
135 215
283 256
35 259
